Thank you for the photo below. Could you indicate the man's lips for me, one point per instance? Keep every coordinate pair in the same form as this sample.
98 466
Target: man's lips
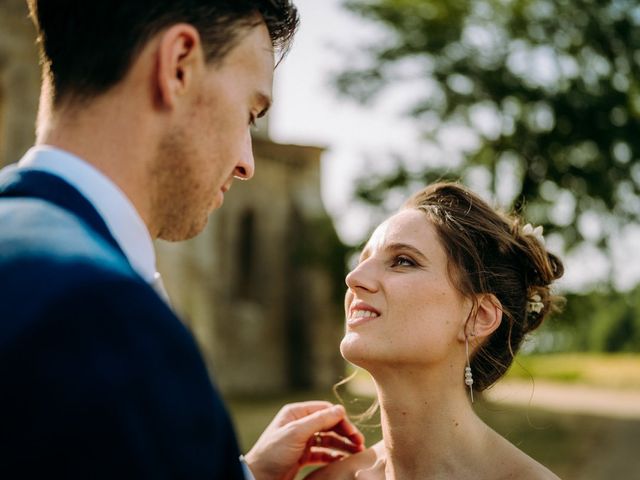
225 188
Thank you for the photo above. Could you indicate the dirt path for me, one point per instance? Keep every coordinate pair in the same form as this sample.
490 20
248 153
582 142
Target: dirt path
551 396
568 398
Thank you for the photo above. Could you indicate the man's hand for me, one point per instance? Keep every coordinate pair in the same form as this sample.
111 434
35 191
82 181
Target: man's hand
302 434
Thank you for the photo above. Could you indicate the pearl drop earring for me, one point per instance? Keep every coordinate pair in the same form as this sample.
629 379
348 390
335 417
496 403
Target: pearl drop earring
468 376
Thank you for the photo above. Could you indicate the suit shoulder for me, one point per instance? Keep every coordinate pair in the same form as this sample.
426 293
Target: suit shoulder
47 255
37 236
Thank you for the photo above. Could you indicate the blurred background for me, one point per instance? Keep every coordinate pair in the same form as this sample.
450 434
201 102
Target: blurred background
535 104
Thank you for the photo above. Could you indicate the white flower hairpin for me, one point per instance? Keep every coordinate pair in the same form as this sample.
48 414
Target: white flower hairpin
534 232
535 304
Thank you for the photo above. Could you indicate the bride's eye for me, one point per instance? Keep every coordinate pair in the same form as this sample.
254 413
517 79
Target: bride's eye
403 261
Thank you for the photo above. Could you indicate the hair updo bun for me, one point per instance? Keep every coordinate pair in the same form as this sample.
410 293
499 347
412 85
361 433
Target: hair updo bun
543 269
490 252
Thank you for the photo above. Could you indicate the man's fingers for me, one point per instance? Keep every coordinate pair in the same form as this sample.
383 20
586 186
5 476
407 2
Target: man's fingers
289 439
319 421
296 411
319 416
332 441
349 430
322 456
331 419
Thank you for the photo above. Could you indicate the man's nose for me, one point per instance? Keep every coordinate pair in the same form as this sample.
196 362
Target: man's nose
246 166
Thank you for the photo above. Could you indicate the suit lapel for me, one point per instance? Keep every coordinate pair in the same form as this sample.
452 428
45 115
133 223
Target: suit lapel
16 182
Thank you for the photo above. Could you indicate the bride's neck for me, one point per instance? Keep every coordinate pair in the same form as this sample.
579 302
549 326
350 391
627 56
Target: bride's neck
429 427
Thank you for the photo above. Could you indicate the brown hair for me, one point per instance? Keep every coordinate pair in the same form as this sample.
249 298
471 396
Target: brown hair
488 252
87 47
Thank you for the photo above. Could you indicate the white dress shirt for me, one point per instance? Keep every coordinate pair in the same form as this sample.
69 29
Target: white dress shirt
117 211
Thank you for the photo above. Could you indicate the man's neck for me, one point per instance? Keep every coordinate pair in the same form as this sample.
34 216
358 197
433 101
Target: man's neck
111 141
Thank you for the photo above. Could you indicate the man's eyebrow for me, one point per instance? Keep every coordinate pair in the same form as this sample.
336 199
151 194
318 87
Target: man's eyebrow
265 100
394 247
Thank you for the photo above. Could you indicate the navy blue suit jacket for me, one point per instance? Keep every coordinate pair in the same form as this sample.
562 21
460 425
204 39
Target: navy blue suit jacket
98 377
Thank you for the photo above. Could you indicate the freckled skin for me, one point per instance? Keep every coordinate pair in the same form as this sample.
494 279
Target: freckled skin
211 143
420 310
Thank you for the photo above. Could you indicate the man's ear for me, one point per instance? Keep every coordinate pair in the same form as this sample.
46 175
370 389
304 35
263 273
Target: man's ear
484 319
180 60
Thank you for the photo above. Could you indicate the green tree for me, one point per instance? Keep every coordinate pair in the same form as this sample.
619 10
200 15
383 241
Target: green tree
597 322
550 89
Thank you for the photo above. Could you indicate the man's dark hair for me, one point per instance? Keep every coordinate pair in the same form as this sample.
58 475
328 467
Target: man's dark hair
87 46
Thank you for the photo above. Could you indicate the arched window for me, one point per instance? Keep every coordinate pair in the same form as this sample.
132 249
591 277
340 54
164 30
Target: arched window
3 160
245 255
298 315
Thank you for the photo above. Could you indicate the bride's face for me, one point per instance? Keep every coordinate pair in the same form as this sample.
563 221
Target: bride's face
401 306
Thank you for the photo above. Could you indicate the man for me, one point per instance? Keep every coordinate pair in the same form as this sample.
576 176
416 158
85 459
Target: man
143 126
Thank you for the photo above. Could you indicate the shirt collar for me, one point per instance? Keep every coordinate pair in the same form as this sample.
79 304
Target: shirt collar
117 211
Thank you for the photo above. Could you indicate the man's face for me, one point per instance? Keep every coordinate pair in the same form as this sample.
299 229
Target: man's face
211 145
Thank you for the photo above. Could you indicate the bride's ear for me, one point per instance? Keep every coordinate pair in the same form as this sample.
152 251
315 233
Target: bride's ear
484 319
488 316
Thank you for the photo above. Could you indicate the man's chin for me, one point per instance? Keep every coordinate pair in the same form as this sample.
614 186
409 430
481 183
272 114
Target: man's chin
179 233
217 202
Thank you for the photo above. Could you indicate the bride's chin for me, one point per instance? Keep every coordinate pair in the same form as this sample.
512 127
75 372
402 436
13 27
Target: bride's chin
353 351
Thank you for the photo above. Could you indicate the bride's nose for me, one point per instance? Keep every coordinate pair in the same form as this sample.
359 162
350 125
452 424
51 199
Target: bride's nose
363 276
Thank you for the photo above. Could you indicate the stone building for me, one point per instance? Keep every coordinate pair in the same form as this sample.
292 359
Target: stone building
19 80
255 286
260 286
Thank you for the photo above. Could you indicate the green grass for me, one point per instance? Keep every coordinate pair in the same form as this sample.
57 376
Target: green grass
601 370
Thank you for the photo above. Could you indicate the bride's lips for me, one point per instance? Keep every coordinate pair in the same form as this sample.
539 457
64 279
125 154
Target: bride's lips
360 313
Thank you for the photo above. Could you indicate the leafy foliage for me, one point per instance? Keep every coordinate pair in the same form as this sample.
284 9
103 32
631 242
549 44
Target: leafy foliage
595 322
550 89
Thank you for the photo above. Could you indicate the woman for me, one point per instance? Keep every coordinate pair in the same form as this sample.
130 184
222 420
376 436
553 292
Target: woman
437 307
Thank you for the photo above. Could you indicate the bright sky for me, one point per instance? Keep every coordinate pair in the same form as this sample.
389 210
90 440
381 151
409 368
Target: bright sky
307 111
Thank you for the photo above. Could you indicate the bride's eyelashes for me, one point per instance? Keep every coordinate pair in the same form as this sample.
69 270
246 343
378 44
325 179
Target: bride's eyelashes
403 261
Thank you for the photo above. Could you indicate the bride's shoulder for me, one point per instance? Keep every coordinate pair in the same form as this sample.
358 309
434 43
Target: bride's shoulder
347 468
531 470
519 465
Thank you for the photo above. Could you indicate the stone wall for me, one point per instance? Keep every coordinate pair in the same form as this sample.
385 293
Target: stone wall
19 81
265 315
